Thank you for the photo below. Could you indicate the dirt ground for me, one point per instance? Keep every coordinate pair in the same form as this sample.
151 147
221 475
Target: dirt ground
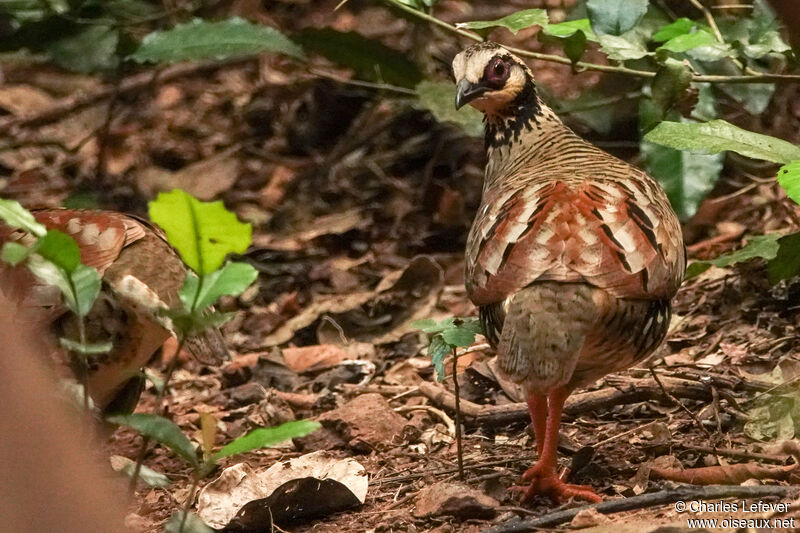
360 205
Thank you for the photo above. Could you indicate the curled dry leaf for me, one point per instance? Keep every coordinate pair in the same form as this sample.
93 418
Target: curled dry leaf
310 357
726 474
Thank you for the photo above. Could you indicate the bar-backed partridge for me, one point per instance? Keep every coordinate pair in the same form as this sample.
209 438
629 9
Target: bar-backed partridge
141 275
573 256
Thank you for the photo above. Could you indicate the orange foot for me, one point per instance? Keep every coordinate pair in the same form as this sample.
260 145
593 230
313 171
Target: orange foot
545 482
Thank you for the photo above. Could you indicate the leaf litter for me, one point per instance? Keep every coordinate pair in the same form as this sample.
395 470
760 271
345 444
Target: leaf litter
360 211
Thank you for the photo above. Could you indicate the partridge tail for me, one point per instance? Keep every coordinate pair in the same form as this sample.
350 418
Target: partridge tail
544 330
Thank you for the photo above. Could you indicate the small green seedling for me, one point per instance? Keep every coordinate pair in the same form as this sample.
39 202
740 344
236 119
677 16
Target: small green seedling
446 337
204 234
203 462
55 259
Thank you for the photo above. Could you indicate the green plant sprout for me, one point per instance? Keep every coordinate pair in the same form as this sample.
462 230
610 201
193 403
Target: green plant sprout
168 434
204 234
446 337
55 259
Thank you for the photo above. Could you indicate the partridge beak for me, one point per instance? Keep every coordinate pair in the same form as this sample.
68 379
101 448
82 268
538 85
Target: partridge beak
467 92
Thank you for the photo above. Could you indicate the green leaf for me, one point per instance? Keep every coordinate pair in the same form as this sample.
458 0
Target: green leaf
264 437
93 49
786 264
232 279
513 22
621 48
670 84
686 177
85 349
161 430
706 107
80 288
571 36
703 45
429 325
754 97
204 233
462 334
569 28
128 10
16 216
762 246
614 16
189 323
789 179
370 59
438 98
87 283
14 253
718 136
33 10
674 29
60 249
192 524
438 350
202 40
146 474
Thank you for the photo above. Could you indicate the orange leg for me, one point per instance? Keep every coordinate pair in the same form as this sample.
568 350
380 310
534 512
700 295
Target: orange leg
537 406
543 476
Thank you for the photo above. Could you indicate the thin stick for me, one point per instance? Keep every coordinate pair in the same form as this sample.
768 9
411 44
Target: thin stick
459 449
137 468
188 504
678 402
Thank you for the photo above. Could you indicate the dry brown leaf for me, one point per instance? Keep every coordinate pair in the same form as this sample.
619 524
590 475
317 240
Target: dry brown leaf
205 179
309 357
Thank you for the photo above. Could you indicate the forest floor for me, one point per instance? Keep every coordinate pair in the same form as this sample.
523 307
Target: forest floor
360 206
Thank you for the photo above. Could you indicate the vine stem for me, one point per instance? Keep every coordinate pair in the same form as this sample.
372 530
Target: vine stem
459 446
189 499
582 65
156 410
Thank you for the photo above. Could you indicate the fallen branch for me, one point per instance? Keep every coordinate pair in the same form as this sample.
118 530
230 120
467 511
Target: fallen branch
627 392
643 501
129 85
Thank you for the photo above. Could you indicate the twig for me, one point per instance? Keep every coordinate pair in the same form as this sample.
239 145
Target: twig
710 19
128 85
582 65
632 390
173 363
644 501
361 83
451 426
416 475
459 448
677 402
732 452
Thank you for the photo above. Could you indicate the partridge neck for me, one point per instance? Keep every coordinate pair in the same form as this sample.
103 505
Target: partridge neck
528 129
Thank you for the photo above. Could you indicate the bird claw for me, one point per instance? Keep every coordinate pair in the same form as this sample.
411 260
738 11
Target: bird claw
550 485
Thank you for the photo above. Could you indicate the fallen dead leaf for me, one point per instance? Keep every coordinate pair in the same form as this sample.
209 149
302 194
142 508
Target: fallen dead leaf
310 357
204 179
220 500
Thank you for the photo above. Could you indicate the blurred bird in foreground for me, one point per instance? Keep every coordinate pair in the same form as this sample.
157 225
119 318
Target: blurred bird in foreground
141 275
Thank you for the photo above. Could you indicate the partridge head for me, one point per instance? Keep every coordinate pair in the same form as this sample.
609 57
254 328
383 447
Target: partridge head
141 276
573 255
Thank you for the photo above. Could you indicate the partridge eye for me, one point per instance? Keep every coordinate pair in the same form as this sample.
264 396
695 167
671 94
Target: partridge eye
496 73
